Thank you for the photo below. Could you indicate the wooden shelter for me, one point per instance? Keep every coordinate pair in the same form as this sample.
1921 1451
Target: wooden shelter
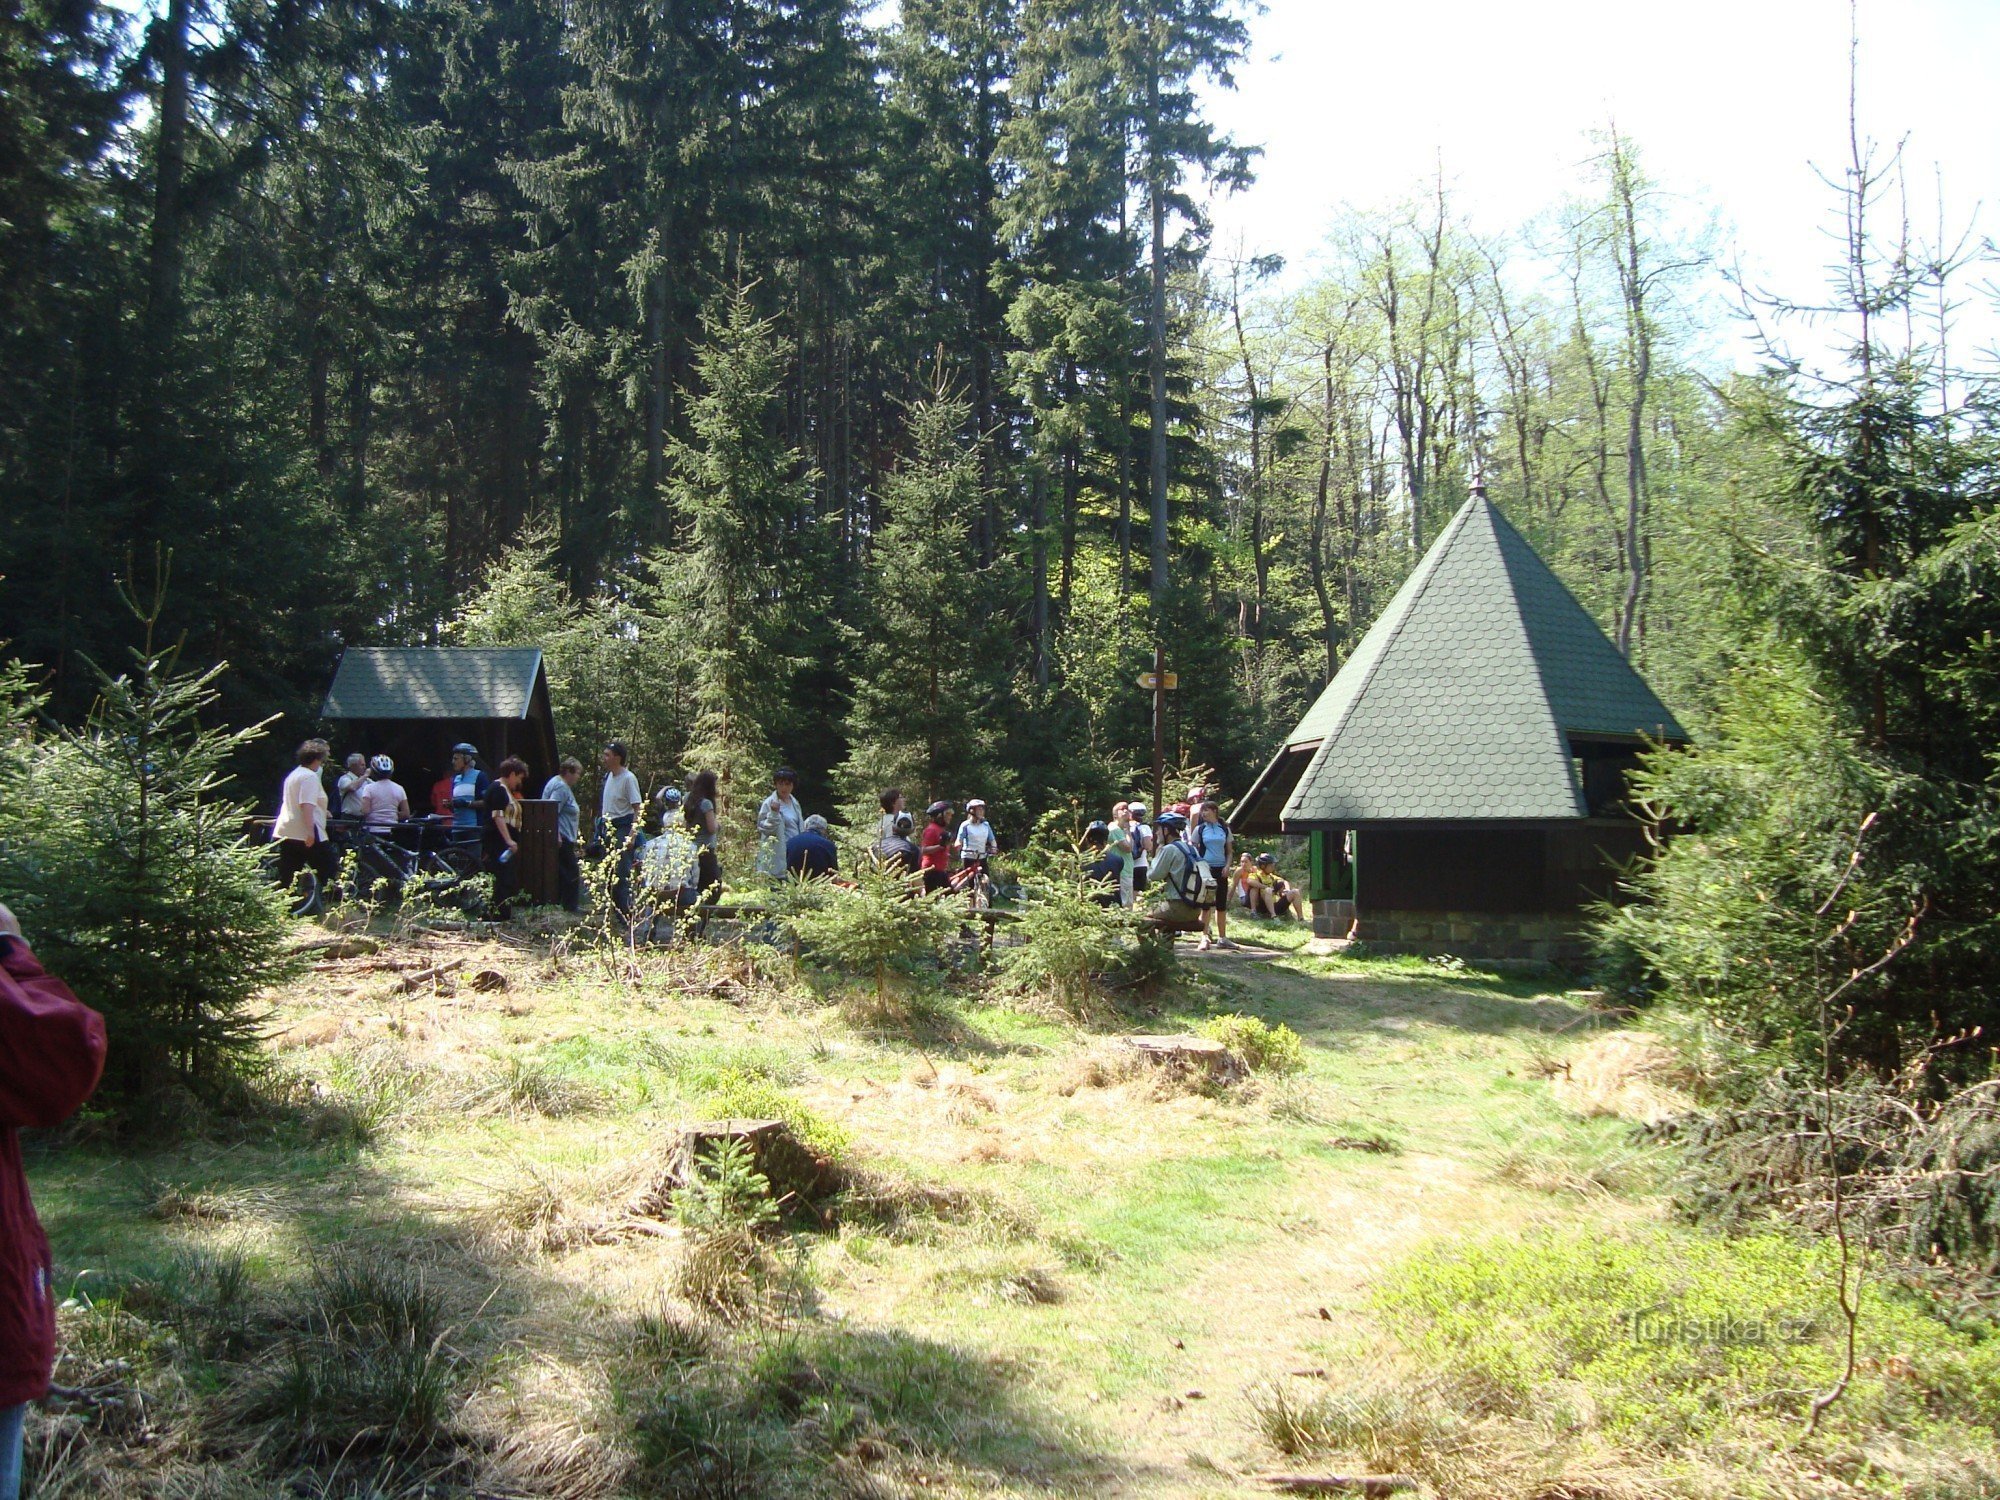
1463 777
413 703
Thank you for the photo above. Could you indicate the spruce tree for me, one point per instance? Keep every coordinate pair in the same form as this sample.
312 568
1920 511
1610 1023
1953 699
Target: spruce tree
930 675
743 502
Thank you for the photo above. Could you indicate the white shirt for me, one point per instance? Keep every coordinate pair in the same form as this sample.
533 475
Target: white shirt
301 807
350 788
381 804
976 841
621 797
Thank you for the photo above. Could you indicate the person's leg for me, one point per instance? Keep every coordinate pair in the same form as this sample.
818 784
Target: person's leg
1222 916
569 875
13 1422
1125 884
628 860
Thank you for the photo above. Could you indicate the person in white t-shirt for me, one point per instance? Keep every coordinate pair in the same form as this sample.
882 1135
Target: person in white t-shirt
619 804
300 827
384 803
976 845
348 788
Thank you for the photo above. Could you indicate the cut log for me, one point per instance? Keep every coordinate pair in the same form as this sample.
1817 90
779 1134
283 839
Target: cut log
1189 1053
410 983
1339 1484
345 945
793 1170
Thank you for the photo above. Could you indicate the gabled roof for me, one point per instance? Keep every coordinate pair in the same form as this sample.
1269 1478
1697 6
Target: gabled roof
1459 703
434 682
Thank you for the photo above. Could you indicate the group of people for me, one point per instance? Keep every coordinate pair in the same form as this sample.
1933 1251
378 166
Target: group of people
1183 858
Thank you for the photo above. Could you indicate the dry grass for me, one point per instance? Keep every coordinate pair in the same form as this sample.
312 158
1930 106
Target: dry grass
1625 1075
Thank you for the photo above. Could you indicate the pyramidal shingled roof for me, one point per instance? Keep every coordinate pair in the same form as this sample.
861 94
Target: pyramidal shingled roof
434 682
1459 701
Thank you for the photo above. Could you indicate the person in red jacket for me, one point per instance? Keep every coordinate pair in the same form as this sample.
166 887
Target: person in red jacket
51 1053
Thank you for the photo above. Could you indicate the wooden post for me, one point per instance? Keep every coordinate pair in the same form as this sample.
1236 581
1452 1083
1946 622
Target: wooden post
538 851
1159 730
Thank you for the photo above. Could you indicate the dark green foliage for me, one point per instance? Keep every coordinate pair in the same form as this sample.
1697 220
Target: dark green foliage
124 857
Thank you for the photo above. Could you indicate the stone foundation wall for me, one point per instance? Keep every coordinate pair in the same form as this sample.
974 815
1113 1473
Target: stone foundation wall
1528 937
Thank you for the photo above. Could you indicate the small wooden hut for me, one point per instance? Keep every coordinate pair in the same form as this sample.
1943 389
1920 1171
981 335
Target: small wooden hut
413 703
1463 777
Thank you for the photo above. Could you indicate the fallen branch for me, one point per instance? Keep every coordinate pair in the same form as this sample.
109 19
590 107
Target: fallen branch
410 983
1338 1484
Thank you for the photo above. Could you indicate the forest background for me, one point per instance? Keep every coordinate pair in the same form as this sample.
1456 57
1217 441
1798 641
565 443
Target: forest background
856 390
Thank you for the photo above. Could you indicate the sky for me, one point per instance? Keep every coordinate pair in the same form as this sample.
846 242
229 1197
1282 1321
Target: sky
1732 104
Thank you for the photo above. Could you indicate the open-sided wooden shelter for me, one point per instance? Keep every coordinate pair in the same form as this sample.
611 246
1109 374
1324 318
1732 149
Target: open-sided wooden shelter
413 703
1463 776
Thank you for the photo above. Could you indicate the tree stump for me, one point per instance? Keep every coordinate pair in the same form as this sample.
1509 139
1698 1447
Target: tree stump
1190 1054
793 1171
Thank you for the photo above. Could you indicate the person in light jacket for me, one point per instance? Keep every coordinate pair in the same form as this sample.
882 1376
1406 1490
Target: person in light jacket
780 819
51 1055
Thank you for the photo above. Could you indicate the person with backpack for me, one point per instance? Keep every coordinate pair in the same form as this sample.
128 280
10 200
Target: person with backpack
1142 846
51 1056
1180 878
1212 840
898 851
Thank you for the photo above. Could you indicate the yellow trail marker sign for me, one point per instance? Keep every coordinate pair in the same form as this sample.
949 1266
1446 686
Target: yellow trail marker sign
1151 680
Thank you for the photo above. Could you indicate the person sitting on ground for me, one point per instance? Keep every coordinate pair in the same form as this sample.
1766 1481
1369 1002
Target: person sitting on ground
1271 893
51 1055
898 852
1241 879
502 813
561 790
976 846
811 852
1172 880
383 802
300 827
780 819
348 789
1211 836
934 852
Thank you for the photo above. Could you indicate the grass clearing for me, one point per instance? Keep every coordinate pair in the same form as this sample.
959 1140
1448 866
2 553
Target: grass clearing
443 1261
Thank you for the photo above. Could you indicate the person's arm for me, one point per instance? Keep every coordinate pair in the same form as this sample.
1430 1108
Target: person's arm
403 808
767 816
499 816
51 1043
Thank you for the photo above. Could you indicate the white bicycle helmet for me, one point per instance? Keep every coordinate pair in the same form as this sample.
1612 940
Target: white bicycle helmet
382 766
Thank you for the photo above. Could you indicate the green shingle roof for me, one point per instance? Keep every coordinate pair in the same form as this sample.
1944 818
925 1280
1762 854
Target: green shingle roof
1458 704
434 682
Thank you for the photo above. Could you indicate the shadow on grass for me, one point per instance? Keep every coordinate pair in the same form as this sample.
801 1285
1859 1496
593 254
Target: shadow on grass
290 1316
1326 999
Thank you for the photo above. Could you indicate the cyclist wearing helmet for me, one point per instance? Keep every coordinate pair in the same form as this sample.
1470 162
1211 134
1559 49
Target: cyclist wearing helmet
383 802
934 852
1272 894
1173 869
976 845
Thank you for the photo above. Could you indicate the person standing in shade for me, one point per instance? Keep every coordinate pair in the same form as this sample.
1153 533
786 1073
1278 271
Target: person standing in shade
619 805
348 789
51 1055
703 816
300 827
780 819
976 845
561 790
502 814
934 849
892 808
1211 839
468 791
